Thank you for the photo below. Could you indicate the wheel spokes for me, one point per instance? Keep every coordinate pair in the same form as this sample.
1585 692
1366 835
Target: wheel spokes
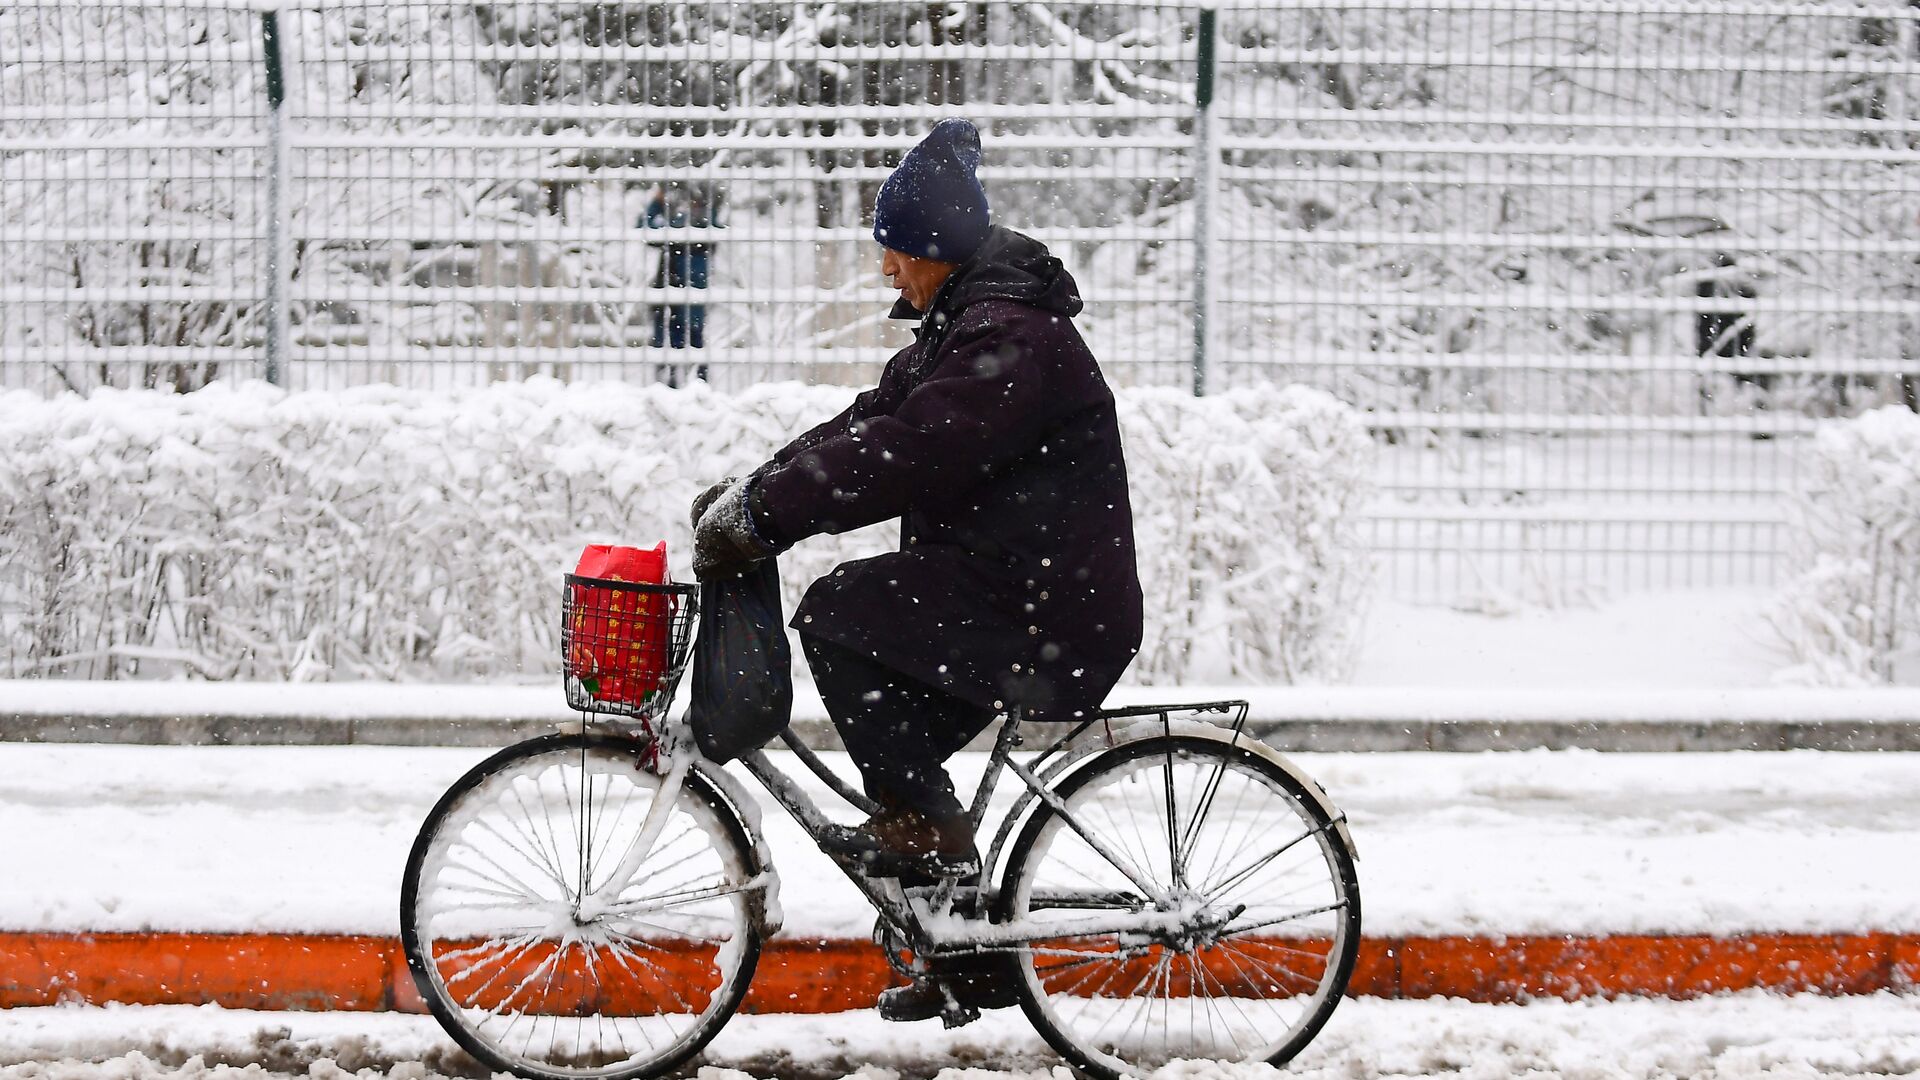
521 932
1256 958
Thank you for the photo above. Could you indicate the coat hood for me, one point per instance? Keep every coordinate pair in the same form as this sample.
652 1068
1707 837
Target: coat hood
1008 266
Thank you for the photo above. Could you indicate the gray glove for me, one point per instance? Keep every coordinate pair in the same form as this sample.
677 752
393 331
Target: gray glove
705 499
724 541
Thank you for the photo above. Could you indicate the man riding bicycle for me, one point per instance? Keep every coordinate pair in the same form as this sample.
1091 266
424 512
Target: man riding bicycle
993 438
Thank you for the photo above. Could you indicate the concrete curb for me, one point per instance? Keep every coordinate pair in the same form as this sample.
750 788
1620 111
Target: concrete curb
1289 735
1442 719
368 973
1636 736
219 729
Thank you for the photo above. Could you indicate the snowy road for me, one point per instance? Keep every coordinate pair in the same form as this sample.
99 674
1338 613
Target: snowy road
313 840
1740 1037
293 839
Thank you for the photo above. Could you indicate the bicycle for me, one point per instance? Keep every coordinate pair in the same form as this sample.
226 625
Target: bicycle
1169 888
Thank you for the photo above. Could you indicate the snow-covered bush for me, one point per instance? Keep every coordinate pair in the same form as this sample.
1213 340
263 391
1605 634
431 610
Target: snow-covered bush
246 533
1855 609
1247 514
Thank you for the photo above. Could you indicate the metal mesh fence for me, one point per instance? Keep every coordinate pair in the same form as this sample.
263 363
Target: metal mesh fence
1592 269
679 190
1590 266
133 216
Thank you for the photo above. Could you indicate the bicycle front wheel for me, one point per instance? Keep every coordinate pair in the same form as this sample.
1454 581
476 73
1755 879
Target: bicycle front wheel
562 922
1248 902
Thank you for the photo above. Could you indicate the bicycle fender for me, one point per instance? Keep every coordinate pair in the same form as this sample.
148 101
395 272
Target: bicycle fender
1152 728
747 810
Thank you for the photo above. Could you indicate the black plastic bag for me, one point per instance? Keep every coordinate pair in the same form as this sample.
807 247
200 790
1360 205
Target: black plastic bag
742 667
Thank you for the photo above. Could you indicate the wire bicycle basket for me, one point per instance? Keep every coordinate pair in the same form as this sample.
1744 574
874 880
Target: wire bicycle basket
624 645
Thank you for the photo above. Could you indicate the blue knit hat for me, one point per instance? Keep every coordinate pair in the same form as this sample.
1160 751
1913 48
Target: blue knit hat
933 206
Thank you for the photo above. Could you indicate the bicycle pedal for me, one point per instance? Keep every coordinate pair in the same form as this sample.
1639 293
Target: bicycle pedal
958 1016
953 1013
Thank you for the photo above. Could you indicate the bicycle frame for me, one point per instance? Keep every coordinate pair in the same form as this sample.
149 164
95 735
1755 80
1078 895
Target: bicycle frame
926 917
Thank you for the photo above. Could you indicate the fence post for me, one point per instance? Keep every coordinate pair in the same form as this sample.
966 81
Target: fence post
279 251
1204 179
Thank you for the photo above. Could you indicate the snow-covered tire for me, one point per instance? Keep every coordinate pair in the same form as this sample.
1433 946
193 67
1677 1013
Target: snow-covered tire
1261 986
524 979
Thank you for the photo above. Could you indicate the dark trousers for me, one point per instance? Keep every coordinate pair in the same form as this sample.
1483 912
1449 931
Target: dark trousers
899 731
680 326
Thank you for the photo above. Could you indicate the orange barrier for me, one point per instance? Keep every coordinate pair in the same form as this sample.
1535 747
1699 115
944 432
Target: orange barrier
347 972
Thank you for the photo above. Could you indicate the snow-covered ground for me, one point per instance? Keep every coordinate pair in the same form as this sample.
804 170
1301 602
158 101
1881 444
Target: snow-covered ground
314 839
1751 1036
1653 645
1689 655
1659 640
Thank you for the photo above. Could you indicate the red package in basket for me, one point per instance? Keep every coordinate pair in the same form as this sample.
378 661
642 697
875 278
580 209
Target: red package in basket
619 638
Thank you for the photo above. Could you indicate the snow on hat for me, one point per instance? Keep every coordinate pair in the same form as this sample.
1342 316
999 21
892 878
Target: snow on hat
933 206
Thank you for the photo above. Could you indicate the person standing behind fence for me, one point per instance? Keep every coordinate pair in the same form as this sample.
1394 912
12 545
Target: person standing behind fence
683 265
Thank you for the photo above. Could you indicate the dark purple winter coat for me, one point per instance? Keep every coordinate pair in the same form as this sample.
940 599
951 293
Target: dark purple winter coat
993 438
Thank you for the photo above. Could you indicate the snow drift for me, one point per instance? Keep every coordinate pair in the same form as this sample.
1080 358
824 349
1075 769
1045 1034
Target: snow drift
242 532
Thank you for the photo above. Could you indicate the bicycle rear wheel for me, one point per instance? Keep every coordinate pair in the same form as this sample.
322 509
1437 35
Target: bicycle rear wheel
1247 949
557 935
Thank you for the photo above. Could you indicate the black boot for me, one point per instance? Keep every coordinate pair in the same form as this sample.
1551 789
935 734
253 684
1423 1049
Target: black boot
899 842
979 982
924 999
